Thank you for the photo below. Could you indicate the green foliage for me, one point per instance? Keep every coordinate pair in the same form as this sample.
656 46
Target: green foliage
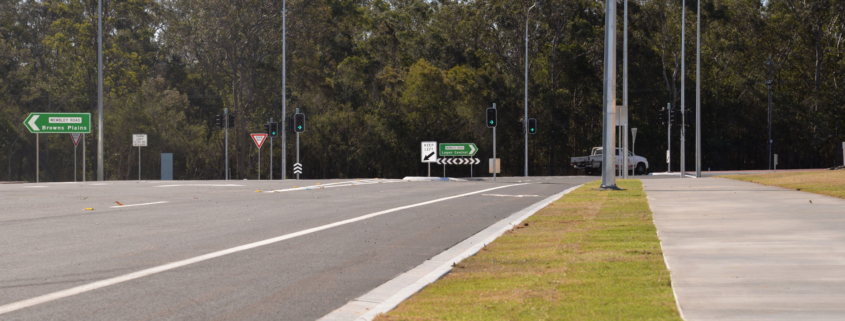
376 77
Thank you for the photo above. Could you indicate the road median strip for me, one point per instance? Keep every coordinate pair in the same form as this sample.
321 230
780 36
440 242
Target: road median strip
589 255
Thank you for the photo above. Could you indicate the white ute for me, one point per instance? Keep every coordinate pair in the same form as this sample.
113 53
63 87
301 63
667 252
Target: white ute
592 164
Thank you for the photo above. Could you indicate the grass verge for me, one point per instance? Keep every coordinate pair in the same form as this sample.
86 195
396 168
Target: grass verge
590 255
830 183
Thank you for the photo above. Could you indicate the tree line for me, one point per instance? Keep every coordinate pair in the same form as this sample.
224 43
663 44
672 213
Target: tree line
377 77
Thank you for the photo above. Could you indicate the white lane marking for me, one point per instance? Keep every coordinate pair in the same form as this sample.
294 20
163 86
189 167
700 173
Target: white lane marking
99 184
388 295
169 266
34 186
338 184
202 185
506 195
130 205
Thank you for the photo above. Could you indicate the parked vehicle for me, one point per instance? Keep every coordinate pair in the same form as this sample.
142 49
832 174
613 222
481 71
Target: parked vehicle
592 164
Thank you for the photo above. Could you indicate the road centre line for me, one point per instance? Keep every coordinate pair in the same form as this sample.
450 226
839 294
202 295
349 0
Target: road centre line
506 195
202 185
142 204
338 184
173 265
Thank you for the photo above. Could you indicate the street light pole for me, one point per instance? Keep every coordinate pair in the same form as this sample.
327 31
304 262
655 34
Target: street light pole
525 120
769 84
100 91
698 94
284 93
624 152
608 174
683 76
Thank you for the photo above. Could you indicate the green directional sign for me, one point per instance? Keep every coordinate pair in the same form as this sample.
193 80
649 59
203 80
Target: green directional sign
58 123
458 149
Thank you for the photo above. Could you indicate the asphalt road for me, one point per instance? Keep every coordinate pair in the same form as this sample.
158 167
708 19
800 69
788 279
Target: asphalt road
176 250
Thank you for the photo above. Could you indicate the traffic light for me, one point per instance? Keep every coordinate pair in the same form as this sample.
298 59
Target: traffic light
492 119
289 124
267 129
689 117
274 129
299 123
661 116
218 119
231 120
521 126
672 113
532 125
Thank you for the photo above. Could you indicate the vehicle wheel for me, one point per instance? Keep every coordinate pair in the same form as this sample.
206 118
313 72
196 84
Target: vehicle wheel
588 172
640 169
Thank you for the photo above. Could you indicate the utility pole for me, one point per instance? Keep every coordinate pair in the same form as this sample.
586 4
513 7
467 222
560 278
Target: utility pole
624 151
526 86
698 94
683 76
669 137
769 83
100 91
284 93
608 175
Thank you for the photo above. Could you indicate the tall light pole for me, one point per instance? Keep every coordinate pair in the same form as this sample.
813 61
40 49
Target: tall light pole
698 94
525 120
100 91
624 152
608 173
769 83
683 75
284 93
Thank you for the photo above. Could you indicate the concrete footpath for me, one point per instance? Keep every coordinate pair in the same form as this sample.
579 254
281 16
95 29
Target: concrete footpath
743 251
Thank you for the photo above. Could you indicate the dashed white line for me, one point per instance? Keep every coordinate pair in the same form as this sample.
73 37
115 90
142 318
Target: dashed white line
170 266
142 204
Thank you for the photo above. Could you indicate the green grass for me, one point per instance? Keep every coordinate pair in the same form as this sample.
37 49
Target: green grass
591 255
830 183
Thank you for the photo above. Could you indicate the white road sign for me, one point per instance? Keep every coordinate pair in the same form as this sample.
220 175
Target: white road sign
139 140
428 153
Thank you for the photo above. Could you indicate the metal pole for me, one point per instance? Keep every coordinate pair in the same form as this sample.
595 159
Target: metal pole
526 89
634 152
83 158
429 169
769 83
74 165
37 158
608 176
100 91
669 137
625 92
297 147
698 93
683 76
494 149
284 93
226 112
271 153
139 163
259 163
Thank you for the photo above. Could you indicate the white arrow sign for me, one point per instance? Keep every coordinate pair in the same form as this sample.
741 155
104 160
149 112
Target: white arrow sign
458 161
297 168
32 123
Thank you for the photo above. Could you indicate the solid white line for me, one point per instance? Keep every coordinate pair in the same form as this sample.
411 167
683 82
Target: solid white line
388 295
162 268
201 185
153 203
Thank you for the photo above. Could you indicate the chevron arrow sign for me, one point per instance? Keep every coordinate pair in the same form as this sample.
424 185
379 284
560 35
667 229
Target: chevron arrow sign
297 168
458 161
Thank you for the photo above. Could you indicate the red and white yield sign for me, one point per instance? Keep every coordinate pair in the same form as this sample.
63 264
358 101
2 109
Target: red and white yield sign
75 138
259 139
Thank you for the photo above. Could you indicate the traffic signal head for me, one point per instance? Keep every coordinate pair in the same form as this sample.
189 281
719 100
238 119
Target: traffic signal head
274 129
521 126
672 114
299 123
661 116
231 120
532 125
492 119
218 120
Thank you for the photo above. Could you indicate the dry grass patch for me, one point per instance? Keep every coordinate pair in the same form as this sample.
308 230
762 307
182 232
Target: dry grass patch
589 256
831 183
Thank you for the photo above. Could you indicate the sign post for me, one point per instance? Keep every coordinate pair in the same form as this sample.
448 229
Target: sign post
634 147
259 140
139 140
776 163
55 123
226 113
75 139
428 154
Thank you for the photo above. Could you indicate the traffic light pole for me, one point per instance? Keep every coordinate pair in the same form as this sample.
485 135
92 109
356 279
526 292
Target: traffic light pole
698 93
624 152
608 176
297 147
494 145
271 150
683 76
669 137
284 93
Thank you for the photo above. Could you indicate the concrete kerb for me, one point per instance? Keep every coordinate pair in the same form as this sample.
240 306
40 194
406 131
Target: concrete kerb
388 296
431 179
